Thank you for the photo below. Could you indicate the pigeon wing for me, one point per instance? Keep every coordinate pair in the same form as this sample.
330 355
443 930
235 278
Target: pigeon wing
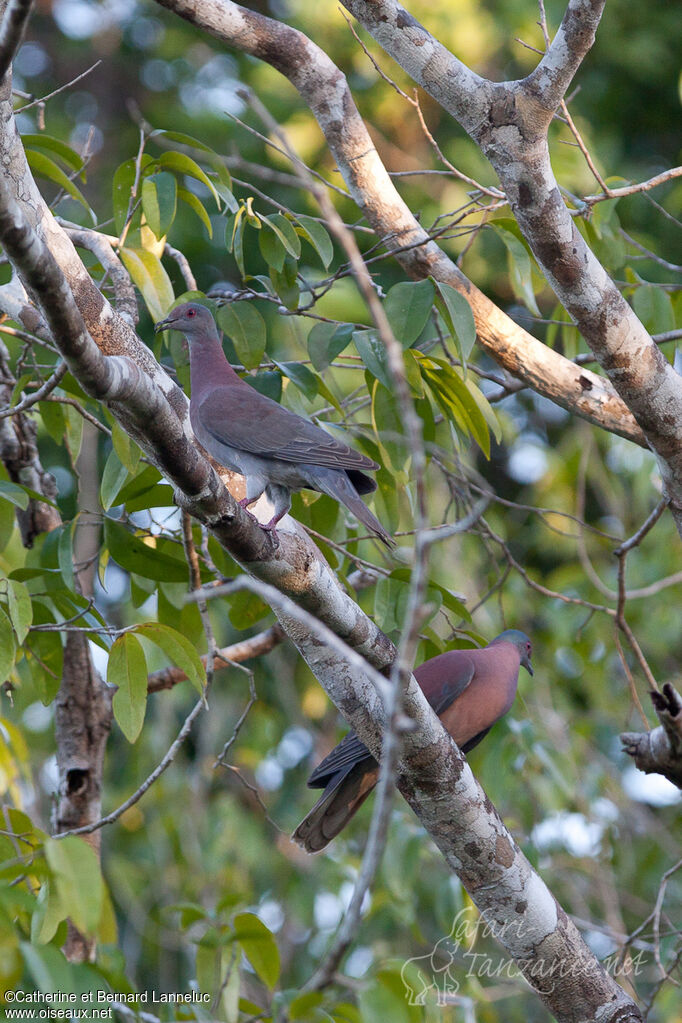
245 420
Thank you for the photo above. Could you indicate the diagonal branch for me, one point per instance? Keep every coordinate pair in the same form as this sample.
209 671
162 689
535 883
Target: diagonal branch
509 122
324 89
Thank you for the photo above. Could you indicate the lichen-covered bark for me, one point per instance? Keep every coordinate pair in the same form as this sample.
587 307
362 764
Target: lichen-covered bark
509 122
325 89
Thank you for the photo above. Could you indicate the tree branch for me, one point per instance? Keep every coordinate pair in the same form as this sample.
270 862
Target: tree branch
660 750
325 90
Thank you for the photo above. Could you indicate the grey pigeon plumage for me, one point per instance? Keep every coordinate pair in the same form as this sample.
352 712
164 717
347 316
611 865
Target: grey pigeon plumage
275 450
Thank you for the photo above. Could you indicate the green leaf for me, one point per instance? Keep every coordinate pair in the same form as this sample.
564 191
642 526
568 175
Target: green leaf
78 880
127 669
44 167
182 164
458 317
20 608
654 308
159 202
268 383
151 278
65 555
125 447
408 306
519 268
259 946
285 232
318 236
245 327
246 609
122 186
178 649
372 352
14 493
197 206
74 431
285 283
7 646
184 140
52 416
48 914
454 398
114 476
326 341
301 376
272 250
145 559
69 156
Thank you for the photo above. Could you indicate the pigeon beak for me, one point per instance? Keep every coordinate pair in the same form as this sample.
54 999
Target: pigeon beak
525 661
166 324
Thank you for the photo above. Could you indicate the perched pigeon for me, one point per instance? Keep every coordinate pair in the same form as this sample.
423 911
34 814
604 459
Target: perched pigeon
469 690
276 450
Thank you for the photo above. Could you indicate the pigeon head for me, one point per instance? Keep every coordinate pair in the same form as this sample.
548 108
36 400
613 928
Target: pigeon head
193 319
522 643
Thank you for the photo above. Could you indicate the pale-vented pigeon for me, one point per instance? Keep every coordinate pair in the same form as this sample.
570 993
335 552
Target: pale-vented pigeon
276 450
469 690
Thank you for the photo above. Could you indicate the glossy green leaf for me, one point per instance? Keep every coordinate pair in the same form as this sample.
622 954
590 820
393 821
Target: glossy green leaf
272 250
68 155
654 308
127 669
318 236
122 186
14 493
48 914
113 477
151 278
20 608
520 267
42 166
7 646
65 555
78 879
285 232
159 202
326 341
52 416
301 376
458 317
182 164
286 284
372 352
259 946
125 447
179 650
408 306
245 327
74 431
454 398
143 558
197 206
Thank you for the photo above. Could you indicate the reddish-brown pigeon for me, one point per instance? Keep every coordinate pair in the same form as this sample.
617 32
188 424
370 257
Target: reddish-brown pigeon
468 689
276 450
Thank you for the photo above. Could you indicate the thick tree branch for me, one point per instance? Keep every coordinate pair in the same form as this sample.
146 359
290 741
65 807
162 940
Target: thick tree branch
436 779
325 90
574 38
509 123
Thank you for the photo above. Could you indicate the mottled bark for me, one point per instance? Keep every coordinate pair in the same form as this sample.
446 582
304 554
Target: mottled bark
325 89
660 750
509 121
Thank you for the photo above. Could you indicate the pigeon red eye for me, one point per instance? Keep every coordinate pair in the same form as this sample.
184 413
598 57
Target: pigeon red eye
191 312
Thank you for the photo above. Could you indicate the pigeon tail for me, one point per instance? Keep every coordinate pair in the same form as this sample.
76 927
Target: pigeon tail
342 798
337 484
